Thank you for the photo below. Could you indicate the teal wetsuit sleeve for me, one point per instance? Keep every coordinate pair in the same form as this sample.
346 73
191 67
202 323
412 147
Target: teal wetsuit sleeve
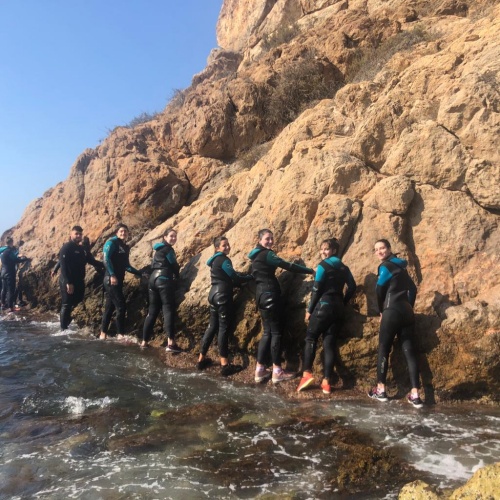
236 278
273 260
108 251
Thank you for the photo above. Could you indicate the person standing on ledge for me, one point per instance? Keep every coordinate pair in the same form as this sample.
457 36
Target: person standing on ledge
396 295
116 263
326 312
223 279
73 257
268 298
10 260
162 287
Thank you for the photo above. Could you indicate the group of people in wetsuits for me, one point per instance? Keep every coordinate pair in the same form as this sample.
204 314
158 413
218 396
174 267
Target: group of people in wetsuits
333 288
11 292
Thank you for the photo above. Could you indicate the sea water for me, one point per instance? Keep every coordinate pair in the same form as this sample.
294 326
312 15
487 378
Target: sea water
82 418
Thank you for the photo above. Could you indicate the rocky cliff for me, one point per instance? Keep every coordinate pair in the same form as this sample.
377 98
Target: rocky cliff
358 119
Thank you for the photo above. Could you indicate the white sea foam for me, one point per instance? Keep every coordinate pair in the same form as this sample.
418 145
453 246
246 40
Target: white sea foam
77 406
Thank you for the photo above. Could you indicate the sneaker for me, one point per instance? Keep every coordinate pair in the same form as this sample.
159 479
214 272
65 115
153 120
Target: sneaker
281 375
204 363
261 374
375 394
305 381
326 387
173 348
415 401
229 369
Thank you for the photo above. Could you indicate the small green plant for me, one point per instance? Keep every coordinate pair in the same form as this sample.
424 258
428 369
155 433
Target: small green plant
299 85
283 34
142 118
368 62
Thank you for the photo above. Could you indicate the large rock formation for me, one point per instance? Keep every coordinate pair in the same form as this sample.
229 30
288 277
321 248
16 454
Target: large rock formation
357 119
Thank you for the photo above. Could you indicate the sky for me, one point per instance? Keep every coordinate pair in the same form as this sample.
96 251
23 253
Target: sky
72 70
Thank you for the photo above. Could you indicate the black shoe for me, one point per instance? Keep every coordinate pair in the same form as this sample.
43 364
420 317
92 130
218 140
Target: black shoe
227 370
204 363
375 394
415 401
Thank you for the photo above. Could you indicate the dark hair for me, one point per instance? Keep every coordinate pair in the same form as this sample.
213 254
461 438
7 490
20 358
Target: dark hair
262 232
9 240
333 244
169 230
120 225
385 242
77 228
218 241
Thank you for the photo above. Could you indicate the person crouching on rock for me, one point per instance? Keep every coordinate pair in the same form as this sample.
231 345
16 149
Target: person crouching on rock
223 278
162 287
326 311
396 295
268 298
116 263
73 257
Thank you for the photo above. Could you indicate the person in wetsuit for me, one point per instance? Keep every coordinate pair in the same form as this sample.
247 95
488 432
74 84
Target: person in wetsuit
162 287
223 279
116 263
10 259
2 294
326 311
268 298
396 295
73 257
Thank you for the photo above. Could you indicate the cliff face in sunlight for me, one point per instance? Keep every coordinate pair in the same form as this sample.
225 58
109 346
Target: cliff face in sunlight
357 119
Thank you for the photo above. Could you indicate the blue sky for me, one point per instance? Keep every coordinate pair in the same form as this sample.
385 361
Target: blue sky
70 70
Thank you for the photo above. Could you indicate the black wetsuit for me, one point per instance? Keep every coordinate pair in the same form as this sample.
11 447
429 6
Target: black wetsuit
396 295
223 278
116 263
268 297
2 294
72 260
10 260
162 286
327 310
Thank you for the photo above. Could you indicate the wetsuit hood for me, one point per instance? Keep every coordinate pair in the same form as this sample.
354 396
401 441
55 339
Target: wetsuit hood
211 260
399 262
157 246
256 251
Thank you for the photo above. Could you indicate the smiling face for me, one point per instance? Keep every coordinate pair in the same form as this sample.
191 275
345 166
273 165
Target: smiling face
267 240
224 247
170 237
122 233
382 251
325 251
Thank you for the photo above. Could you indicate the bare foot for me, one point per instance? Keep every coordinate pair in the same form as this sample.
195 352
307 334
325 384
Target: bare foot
102 336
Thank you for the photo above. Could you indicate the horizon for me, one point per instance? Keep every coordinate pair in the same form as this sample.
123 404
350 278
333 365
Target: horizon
72 72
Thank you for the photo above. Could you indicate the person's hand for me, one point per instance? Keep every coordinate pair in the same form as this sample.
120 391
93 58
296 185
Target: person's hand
113 280
70 288
308 316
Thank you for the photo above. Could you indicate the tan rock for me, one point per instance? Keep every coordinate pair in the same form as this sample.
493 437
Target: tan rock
418 490
484 485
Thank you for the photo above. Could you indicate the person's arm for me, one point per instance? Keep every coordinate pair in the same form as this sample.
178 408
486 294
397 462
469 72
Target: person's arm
64 264
56 268
317 289
236 278
172 261
384 279
275 261
108 251
412 291
351 286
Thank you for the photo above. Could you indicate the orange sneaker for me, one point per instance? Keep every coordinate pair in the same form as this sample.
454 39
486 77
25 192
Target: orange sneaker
326 387
305 381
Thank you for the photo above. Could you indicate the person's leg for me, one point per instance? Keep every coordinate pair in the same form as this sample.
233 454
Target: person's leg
208 337
109 309
169 308
153 311
66 307
121 308
226 328
407 344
